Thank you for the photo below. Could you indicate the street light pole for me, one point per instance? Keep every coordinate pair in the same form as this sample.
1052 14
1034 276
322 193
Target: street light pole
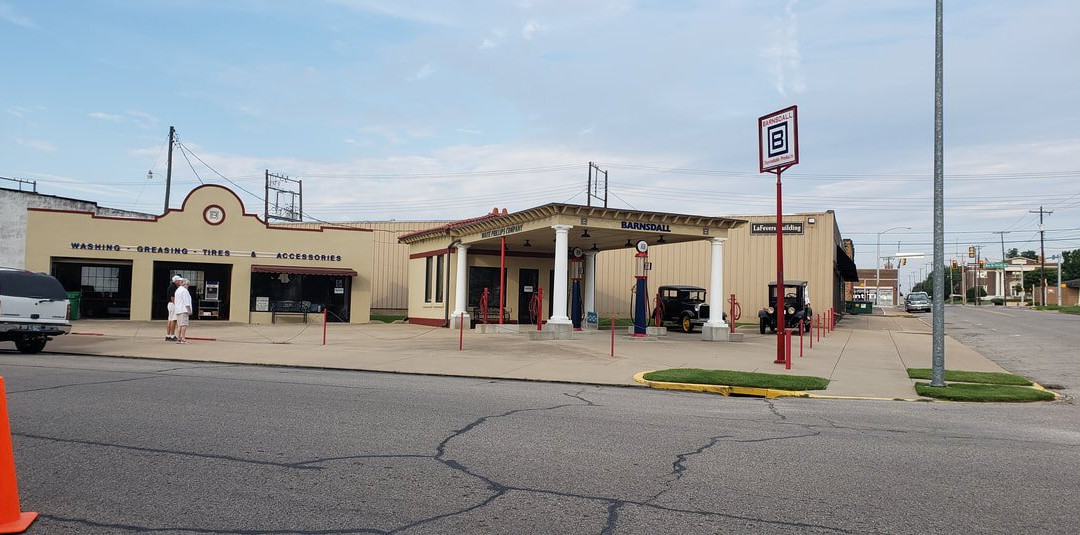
877 269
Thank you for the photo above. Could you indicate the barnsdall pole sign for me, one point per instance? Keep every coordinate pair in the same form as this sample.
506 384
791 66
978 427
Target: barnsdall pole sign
778 149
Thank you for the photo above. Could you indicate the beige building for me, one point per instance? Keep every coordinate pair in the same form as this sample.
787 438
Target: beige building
543 250
241 269
683 254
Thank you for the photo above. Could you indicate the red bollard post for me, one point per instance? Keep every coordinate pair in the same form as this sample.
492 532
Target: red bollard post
461 331
800 339
539 308
324 326
613 337
817 327
811 337
787 361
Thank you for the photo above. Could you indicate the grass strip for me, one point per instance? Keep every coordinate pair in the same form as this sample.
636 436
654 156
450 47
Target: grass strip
734 378
386 318
991 378
988 393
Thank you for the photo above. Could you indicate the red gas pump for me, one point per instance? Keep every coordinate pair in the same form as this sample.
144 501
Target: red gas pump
484 306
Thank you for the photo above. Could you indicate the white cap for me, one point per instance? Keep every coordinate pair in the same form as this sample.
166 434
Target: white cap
176 278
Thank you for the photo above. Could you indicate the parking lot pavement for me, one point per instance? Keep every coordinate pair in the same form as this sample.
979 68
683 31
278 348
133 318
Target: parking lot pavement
865 356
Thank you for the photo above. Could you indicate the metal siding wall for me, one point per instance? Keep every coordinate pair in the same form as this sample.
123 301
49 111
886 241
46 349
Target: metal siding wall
749 265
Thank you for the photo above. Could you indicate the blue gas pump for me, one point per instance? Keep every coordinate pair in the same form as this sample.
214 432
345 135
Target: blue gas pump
641 301
577 269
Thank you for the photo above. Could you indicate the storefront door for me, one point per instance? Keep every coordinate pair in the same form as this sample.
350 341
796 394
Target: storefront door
528 281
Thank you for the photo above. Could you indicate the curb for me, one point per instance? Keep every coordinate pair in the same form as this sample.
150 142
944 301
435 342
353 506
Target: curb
767 393
1037 386
725 390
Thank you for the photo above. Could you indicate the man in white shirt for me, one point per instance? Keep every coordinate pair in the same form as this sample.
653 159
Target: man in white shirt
182 303
170 326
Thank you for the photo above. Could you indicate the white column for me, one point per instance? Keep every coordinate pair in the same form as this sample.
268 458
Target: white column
562 261
716 290
590 282
461 281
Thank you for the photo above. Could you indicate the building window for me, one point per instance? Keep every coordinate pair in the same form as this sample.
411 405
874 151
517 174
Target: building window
195 280
439 279
427 280
101 279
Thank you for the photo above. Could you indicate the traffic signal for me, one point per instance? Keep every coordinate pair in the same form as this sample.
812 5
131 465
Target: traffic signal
971 251
903 261
982 262
954 264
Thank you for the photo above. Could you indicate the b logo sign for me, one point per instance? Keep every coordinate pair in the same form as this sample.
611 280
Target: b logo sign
778 136
778 141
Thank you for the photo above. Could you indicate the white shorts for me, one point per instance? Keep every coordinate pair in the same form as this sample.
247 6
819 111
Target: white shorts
182 319
172 311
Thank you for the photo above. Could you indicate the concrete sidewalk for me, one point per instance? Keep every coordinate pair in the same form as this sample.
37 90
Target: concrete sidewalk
866 356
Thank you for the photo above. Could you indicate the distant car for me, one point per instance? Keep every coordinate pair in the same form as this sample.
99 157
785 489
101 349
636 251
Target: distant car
796 308
33 309
917 301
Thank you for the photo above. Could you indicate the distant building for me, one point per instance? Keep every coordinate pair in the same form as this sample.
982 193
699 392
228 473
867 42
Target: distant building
1005 279
13 206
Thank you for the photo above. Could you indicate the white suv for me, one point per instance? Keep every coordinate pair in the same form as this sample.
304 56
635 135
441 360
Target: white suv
33 309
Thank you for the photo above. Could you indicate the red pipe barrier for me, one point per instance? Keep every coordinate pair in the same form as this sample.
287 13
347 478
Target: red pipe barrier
502 278
787 362
736 312
324 326
539 308
800 338
461 331
613 337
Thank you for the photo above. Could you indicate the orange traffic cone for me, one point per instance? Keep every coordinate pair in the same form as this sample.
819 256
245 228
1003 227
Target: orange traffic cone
11 519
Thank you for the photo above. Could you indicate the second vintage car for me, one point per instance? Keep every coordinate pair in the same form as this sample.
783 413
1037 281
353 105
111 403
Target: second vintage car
797 312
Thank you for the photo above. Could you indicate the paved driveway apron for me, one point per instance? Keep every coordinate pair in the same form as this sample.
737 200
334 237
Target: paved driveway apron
1037 344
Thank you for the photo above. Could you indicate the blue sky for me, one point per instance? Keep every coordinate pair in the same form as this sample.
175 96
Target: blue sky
444 109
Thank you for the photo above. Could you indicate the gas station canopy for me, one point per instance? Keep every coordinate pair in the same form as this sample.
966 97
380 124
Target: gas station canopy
594 228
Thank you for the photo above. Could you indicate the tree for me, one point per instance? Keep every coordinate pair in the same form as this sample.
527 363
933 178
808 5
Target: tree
1030 254
971 292
1036 276
1070 265
1013 253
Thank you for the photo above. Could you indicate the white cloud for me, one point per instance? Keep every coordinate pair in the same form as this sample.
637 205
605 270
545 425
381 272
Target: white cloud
424 72
469 131
106 116
36 144
9 14
143 119
785 61
530 29
409 11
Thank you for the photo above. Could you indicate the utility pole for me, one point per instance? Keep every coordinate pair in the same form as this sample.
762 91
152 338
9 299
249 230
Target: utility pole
1042 248
592 189
1004 283
168 170
937 374
1060 260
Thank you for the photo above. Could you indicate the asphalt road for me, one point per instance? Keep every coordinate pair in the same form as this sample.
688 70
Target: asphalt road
116 446
1043 346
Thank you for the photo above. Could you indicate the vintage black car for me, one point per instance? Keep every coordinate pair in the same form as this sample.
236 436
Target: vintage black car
796 305
683 305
